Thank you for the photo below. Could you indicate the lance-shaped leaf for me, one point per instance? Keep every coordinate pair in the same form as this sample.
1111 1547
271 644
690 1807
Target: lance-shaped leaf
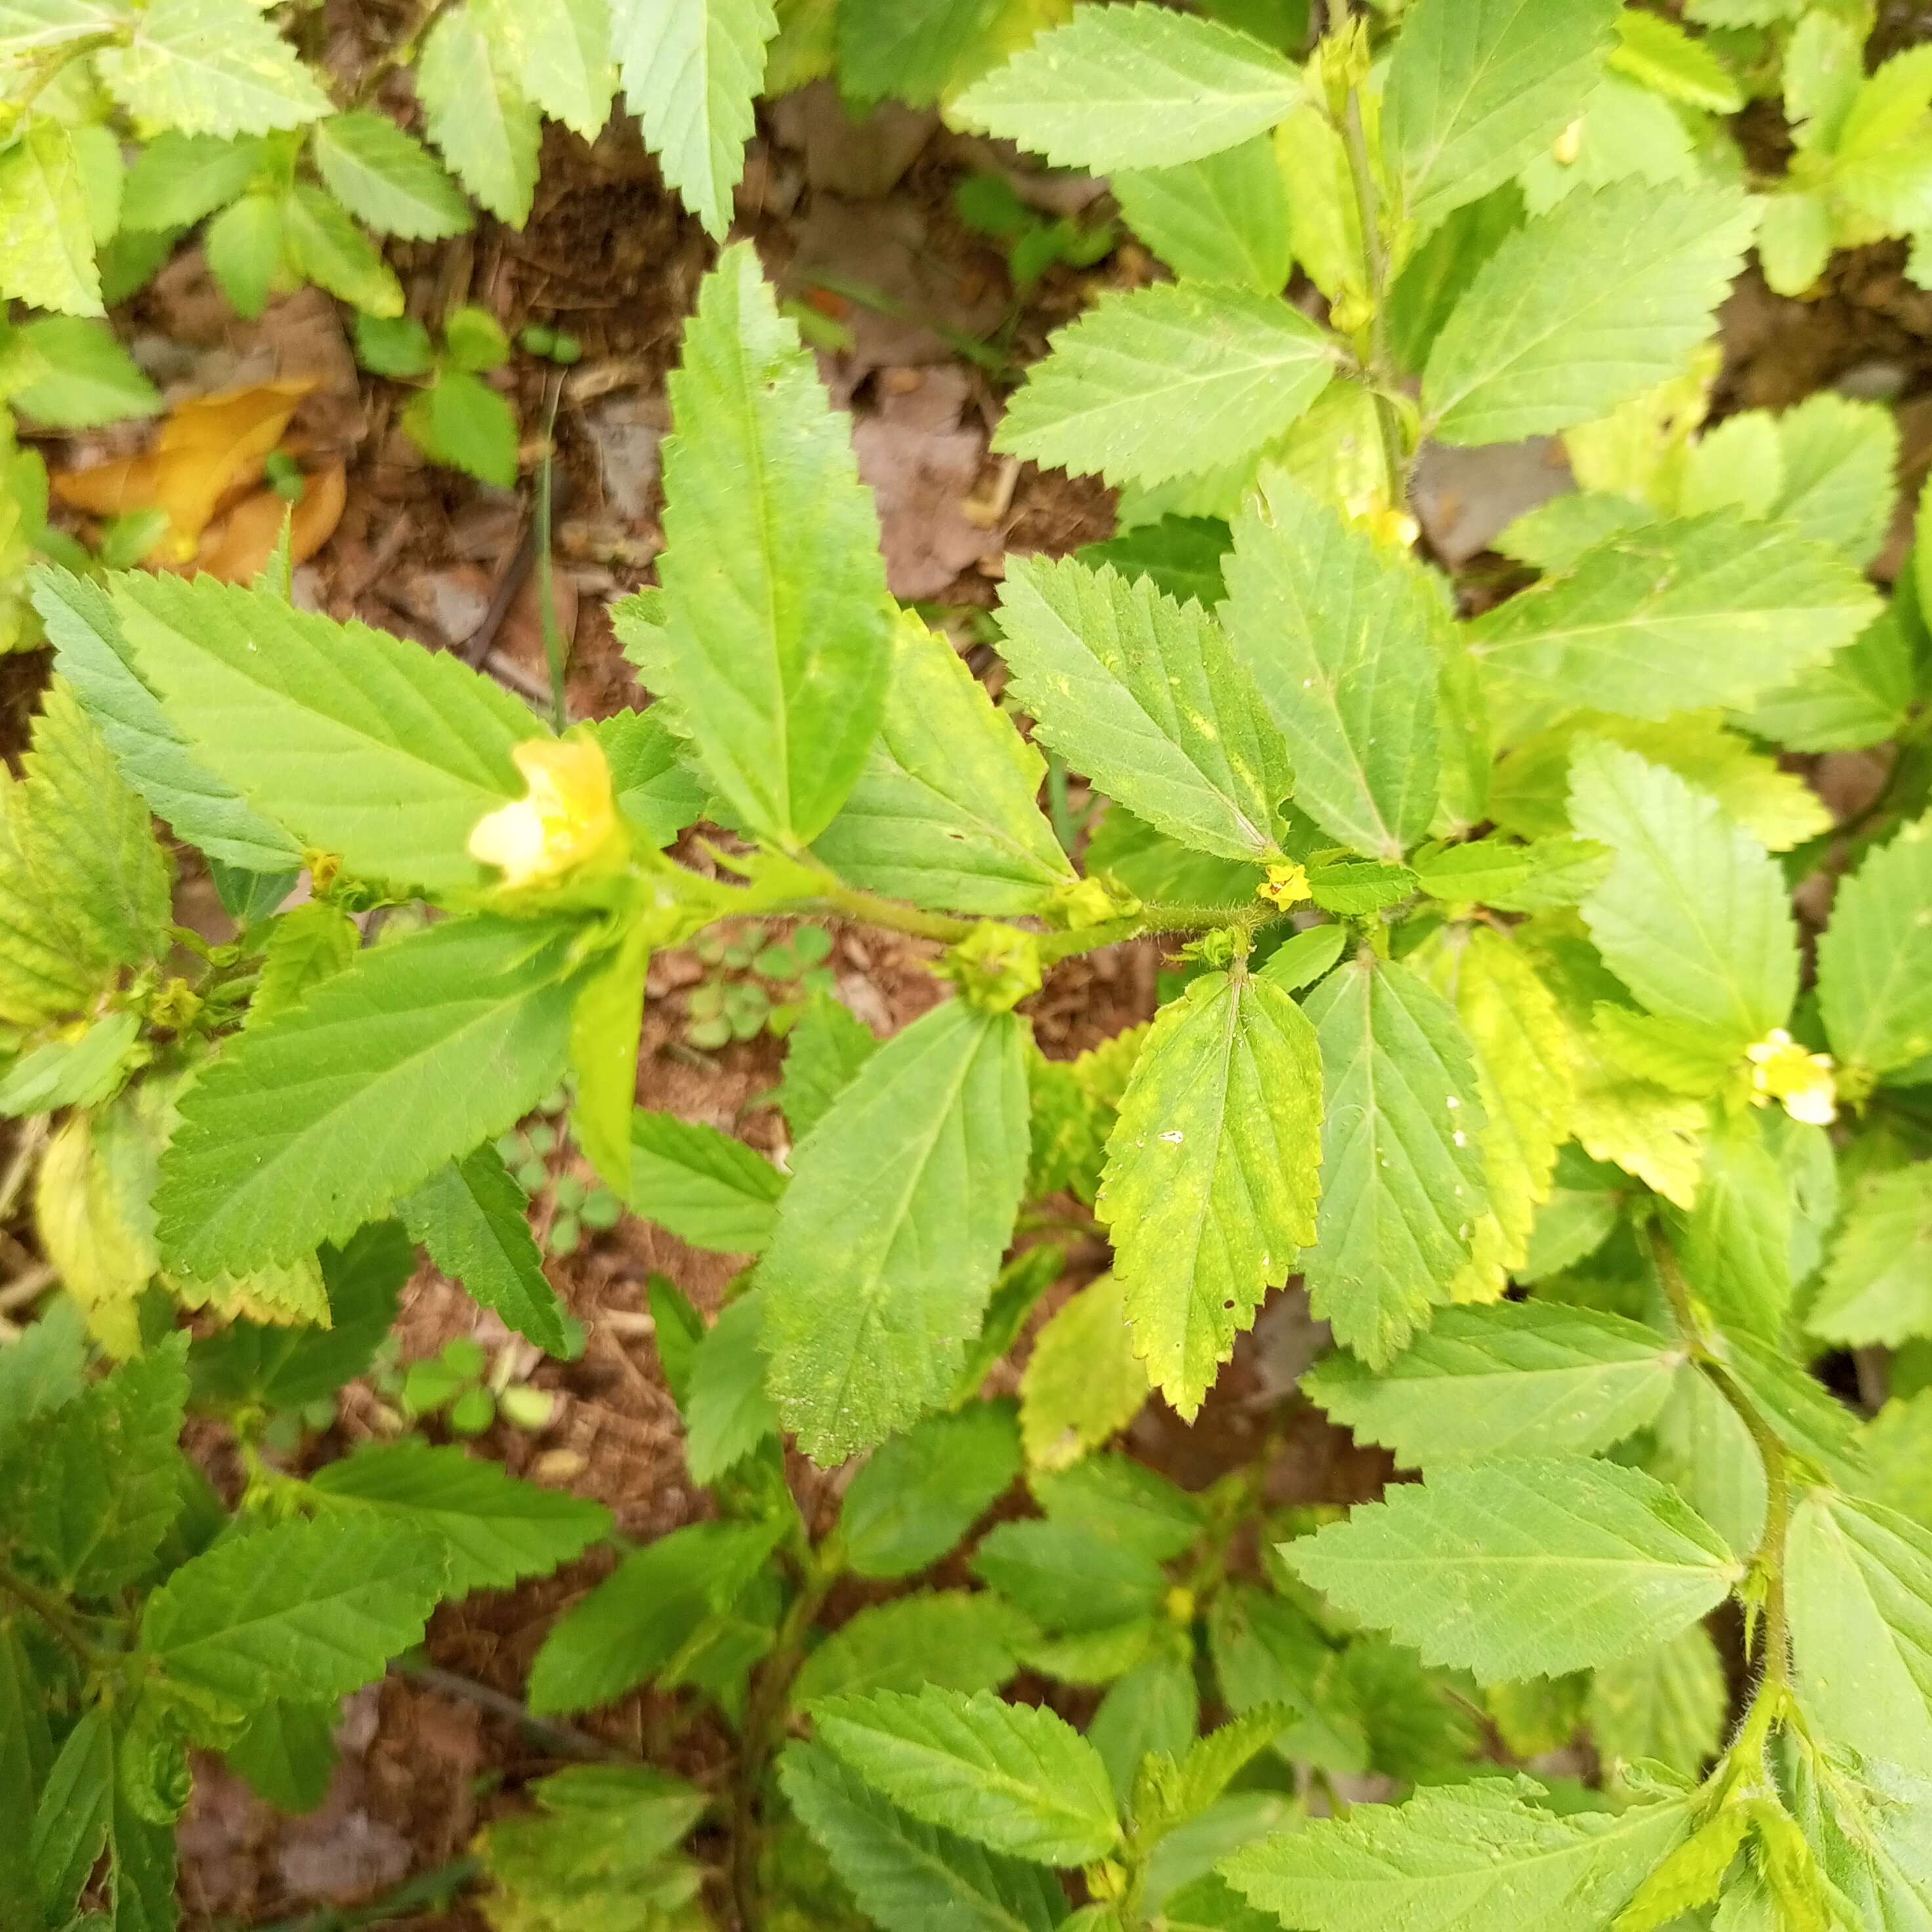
352 740
691 74
776 640
1213 1174
411 1057
1673 617
1133 87
945 812
1523 1378
1694 917
1584 308
1015 1777
1875 958
1143 695
1523 1568
1401 1135
1476 87
1342 640
1224 219
1878 1285
1859 1577
474 110
1479 1857
1178 379
900 1202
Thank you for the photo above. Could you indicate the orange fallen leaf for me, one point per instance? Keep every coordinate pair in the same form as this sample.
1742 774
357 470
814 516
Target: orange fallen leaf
236 547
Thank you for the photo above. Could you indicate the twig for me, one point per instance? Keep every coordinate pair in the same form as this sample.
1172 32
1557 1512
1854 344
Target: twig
557 650
24 1288
565 1742
437 1888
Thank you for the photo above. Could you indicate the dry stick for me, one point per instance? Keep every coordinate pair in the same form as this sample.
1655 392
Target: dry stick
560 1738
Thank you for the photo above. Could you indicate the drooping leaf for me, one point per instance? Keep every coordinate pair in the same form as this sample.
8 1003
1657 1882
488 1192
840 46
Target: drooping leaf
287 1753
1212 1175
1144 696
1341 639
387 179
1222 219
1736 1242
1875 958
474 110
1523 1568
210 67
901 1201
707 1187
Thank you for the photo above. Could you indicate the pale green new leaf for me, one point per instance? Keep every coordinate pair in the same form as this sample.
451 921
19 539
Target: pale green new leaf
353 740
471 1216
1144 696
1083 1382
90 379
475 111
1401 1135
1478 1857
1877 1288
210 67
1875 958
908 1877
31 26
1581 309
327 248
1522 1379
1475 88
1694 918
1859 1577
46 236
1840 457
560 54
945 812
1178 379
1122 87
499 1530
776 646
707 1187
1342 640
901 1203
1222 219
692 70
1213 1174
1522 1568
388 178
1018 1779
418 1051
303 1609
1668 1705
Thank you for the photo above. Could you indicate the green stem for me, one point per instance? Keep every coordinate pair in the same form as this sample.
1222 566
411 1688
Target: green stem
1361 173
55 1615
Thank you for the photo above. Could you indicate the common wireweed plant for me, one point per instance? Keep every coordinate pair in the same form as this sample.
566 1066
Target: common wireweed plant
1494 1030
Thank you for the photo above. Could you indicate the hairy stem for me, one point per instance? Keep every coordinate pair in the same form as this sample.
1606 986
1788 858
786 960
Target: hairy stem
55 1615
1375 251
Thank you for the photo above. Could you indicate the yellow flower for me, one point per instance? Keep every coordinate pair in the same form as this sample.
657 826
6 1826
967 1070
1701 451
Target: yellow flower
1284 885
567 817
1802 1083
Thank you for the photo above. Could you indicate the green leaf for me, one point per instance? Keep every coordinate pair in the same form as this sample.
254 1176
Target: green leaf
460 421
1083 1382
1182 555
824 1052
1896 1446
357 742
902 1201
306 945
287 1754
1857 697
1174 380
210 66
1667 1706
707 1187
1154 1711
1212 1173
606 1027
776 648
1222 219
1840 457
245 245
387 178
179 179
29 26
1876 1288
641 1619
1674 616
70 1826
90 378
726 1412
690 76
1143 696
1018 1779
1342 639
1523 1568
1875 958
1736 1244
42 1370
920 1493
1479 1857
656 790
302 1610
1869 1826
560 55
46 235
1476 87
957 1639
945 811
475 112
1070 1576
471 1216
1127 87
1860 1582
909 1876
910 50
499 1530
1402 1135
418 1051
1522 1379
1583 308
1664 58
1694 917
